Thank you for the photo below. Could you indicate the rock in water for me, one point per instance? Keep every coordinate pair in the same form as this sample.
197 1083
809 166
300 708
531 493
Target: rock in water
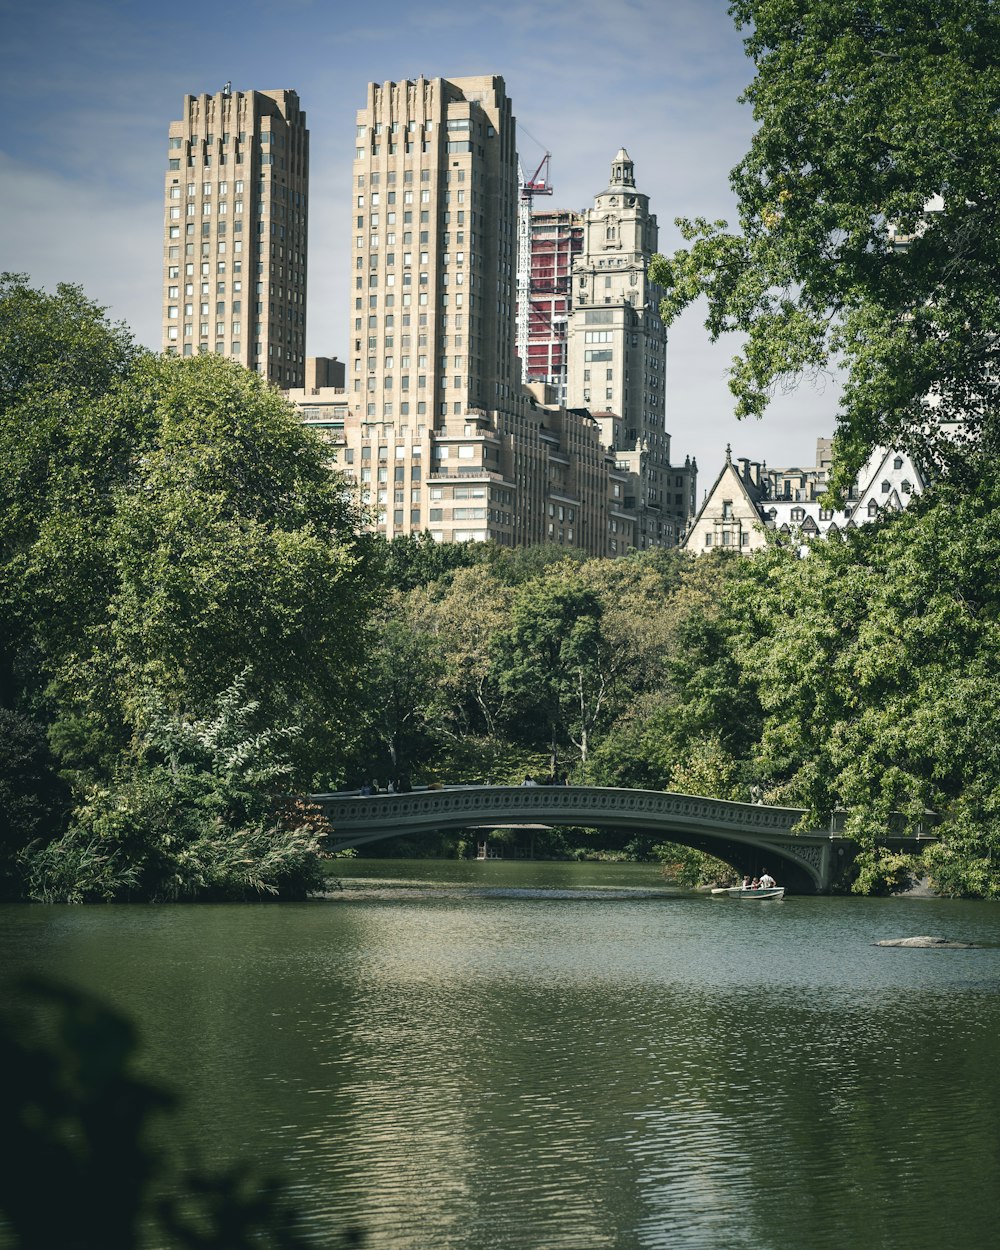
939 942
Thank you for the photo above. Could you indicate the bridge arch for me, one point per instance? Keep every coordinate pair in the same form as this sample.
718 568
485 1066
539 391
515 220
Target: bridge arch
748 836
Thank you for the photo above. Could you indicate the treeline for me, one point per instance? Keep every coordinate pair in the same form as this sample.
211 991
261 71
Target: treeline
866 676
192 630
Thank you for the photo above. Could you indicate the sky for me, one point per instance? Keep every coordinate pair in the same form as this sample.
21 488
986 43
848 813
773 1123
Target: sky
90 86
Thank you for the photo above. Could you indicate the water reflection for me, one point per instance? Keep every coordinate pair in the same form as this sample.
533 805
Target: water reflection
562 1056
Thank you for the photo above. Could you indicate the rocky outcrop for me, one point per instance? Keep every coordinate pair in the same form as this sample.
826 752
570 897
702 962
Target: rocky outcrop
937 943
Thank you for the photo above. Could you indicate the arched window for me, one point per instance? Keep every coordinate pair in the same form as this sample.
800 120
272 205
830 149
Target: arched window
873 508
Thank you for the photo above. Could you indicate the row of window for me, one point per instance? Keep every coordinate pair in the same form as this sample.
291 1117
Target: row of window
393 128
176 142
727 539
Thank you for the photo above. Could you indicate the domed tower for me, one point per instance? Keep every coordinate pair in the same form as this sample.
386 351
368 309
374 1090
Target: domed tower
616 350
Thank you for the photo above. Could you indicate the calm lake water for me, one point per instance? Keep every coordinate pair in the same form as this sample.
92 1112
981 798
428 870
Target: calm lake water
517 1056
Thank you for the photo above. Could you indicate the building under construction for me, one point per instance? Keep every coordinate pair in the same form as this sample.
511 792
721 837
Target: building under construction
556 240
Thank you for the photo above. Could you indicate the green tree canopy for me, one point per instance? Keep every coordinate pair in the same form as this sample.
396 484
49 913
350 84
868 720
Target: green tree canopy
869 227
53 345
167 528
550 659
205 535
58 355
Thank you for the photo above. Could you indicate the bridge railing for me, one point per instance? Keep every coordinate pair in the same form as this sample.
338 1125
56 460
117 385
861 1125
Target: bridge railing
595 805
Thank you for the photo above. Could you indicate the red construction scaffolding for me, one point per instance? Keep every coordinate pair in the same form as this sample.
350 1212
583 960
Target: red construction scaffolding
556 240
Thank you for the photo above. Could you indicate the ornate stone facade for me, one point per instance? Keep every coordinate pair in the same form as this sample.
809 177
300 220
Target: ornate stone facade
748 499
616 351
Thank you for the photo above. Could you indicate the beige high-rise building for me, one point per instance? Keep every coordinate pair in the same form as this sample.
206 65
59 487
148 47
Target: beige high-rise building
435 186
235 231
432 364
616 355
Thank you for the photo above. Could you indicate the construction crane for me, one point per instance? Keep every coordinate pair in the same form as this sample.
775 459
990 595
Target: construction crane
528 188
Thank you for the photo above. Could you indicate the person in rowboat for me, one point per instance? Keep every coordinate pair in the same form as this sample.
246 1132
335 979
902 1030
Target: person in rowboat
767 882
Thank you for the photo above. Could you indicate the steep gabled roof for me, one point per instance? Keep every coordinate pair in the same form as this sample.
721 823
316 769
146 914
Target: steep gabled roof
752 494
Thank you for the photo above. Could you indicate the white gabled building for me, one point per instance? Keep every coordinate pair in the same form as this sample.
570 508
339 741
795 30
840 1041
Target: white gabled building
748 499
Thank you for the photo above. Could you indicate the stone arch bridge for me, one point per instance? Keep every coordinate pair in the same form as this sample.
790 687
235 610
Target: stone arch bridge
748 836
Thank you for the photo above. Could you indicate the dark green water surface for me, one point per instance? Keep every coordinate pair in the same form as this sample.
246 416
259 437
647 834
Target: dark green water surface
504 1056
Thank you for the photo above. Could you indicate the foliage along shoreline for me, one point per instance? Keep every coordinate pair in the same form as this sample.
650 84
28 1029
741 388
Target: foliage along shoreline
193 624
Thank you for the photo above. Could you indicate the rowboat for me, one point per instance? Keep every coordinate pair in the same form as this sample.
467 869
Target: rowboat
776 891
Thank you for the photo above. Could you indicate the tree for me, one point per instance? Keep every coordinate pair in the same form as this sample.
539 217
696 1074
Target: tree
32 798
924 667
793 622
56 345
695 725
166 525
875 665
464 617
194 810
58 354
417 559
401 683
550 660
865 114
207 536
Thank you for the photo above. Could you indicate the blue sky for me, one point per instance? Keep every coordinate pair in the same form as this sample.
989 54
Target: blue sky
89 87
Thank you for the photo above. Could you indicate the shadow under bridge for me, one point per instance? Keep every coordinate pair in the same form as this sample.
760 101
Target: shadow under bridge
748 836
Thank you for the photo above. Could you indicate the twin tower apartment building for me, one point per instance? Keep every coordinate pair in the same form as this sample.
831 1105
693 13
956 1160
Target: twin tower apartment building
432 417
